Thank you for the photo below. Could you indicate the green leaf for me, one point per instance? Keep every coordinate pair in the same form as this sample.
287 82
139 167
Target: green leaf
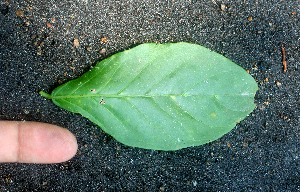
162 97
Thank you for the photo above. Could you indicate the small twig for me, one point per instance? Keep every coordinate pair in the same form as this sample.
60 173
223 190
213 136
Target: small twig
283 59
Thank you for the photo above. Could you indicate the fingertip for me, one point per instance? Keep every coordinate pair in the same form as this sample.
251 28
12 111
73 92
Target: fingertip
48 143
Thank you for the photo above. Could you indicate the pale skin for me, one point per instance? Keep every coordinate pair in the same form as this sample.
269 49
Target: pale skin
33 142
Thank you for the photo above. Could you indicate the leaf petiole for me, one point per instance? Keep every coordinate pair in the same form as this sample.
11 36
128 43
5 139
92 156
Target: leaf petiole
46 95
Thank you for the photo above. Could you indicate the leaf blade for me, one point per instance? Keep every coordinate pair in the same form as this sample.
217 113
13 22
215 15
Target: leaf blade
163 97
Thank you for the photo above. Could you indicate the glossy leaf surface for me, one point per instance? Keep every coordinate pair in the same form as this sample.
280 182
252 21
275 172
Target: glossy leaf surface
162 97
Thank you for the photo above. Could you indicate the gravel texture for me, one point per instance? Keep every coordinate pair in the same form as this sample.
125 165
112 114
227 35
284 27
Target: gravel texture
46 43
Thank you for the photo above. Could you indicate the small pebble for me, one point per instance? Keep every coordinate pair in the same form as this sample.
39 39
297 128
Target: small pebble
26 111
104 40
39 52
20 13
245 144
228 145
223 7
102 51
89 48
76 42
266 79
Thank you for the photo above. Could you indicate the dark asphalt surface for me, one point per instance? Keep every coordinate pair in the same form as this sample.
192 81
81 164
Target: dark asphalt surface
262 153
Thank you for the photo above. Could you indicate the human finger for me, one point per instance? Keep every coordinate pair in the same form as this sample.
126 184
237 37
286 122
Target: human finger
33 142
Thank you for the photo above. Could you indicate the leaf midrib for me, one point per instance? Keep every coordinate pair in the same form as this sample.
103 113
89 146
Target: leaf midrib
144 96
